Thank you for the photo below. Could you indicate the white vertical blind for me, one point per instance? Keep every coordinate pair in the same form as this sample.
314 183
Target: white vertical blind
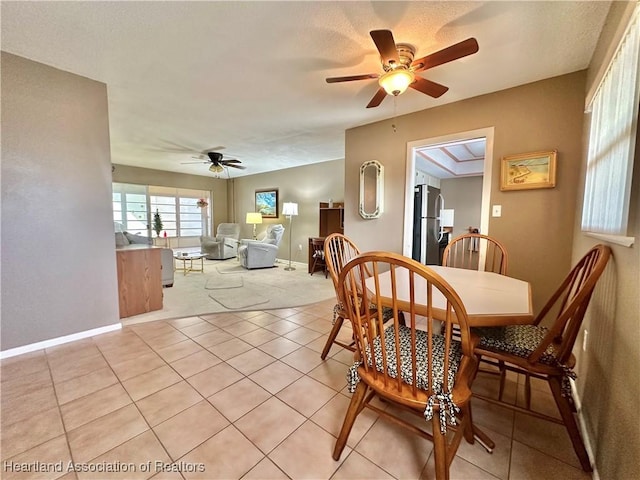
614 116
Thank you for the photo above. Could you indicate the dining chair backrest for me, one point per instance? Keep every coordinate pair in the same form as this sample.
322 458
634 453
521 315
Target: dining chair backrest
338 250
569 304
372 334
465 251
318 256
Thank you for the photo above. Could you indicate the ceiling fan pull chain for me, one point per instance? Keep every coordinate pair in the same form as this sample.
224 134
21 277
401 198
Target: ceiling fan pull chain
395 114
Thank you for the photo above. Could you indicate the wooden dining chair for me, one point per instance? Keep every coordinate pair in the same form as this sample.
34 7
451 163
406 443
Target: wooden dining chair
546 352
423 371
338 250
464 251
318 255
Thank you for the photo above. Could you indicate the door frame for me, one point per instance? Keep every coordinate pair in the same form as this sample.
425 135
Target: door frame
488 134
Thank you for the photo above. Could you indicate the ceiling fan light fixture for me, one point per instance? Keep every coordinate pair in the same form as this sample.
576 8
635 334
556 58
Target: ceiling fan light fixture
216 168
395 82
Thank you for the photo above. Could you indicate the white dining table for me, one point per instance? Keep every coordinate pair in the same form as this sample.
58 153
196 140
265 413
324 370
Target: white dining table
490 299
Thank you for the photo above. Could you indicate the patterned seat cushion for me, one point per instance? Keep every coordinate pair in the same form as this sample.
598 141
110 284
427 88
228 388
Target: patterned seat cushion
447 409
520 340
406 373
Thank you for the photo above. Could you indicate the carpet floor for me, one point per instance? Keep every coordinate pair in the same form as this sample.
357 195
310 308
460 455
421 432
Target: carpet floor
225 286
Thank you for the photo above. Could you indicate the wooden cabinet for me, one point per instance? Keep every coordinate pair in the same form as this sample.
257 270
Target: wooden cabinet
139 279
331 221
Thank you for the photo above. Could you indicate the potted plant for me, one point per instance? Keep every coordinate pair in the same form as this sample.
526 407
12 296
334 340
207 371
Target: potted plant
157 223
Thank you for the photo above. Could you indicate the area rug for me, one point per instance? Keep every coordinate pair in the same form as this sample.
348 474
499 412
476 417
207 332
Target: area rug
226 268
218 289
218 282
237 299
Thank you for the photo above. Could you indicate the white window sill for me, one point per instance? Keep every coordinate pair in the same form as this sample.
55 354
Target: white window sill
617 239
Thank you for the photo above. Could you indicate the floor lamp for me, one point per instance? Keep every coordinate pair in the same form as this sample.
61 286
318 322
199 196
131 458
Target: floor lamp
290 209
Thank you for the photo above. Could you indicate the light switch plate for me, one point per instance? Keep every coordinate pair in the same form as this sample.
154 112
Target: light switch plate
497 211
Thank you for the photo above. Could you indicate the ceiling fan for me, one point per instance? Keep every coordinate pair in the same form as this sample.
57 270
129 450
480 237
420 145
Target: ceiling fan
400 68
218 162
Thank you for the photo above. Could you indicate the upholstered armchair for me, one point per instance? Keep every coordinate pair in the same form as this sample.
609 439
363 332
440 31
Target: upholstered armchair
224 245
261 253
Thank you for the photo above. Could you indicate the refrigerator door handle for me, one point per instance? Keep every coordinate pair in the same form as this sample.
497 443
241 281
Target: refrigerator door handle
439 204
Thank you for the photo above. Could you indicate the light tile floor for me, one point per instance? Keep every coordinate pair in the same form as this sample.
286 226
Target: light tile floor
236 395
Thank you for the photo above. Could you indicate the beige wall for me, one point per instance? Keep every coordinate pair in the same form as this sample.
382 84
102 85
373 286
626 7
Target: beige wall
221 209
308 186
464 196
608 371
58 256
536 226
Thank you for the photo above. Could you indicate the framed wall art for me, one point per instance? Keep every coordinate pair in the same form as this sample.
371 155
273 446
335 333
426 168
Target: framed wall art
267 202
528 170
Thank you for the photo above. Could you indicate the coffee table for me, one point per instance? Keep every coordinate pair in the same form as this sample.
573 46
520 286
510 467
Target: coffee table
188 257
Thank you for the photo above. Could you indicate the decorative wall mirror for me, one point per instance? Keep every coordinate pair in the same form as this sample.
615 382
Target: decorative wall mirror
371 189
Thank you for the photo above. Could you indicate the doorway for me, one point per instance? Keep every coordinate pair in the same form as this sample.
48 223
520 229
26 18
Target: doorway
413 149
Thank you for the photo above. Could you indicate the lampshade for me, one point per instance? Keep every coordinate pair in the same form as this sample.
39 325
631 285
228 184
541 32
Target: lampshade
290 208
253 218
216 168
446 217
396 81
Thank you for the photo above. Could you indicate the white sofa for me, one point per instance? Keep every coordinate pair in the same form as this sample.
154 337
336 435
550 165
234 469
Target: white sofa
261 253
125 238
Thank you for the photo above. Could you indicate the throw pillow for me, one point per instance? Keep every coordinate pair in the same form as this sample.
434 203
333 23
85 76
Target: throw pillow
138 239
121 240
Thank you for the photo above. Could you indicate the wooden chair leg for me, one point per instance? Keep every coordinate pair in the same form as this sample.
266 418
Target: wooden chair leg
355 407
439 450
503 378
468 423
570 423
332 336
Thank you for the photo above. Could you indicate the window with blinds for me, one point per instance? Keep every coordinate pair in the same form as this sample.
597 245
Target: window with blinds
134 206
614 117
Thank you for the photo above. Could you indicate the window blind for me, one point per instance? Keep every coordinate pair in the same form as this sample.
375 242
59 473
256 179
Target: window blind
614 114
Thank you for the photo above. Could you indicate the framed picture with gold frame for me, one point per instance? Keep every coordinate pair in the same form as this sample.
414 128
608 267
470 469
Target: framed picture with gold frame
528 170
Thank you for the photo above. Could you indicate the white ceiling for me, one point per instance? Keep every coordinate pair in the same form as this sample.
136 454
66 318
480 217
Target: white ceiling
250 76
464 158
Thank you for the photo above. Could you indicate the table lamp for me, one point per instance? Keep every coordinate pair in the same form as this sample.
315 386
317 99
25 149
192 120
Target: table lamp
254 218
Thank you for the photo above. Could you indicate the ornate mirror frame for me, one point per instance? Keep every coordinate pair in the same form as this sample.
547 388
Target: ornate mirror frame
371 189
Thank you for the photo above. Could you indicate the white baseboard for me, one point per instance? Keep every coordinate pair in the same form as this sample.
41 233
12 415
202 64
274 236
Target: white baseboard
12 352
584 432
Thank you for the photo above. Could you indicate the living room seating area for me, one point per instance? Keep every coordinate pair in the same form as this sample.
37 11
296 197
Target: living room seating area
224 245
261 253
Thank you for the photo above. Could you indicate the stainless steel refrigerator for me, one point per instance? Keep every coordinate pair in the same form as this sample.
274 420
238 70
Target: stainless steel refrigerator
427 203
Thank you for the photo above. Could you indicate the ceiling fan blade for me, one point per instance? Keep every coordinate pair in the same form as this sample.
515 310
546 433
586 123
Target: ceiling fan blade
432 89
385 45
231 160
193 163
454 52
232 165
212 149
377 98
351 78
